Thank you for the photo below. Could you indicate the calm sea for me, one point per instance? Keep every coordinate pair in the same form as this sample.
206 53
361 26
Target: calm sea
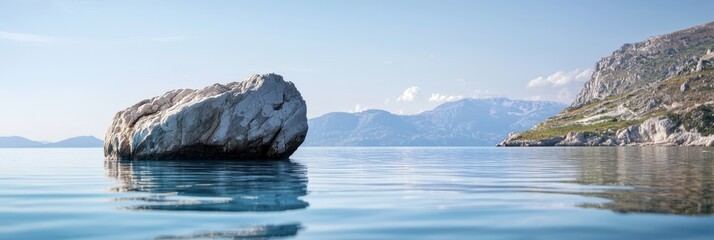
364 193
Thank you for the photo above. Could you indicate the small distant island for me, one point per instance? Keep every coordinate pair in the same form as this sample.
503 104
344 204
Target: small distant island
656 92
74 142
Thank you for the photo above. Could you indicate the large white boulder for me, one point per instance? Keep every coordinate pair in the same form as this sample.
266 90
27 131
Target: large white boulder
263 117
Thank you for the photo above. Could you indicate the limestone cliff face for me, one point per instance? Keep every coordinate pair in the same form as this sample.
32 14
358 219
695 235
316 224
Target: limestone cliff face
263 117
639 65
660 91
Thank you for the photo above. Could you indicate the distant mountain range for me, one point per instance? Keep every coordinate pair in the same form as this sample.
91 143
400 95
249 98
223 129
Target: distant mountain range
75 142
467 122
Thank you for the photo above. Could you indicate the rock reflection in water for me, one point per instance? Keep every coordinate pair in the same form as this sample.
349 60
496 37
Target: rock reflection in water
211 185
254 233
671 180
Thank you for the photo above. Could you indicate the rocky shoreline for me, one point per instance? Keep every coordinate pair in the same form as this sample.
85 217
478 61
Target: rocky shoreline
654 131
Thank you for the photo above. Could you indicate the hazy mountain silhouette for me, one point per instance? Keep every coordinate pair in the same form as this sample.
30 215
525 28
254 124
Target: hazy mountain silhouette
467 122
18 142
75 142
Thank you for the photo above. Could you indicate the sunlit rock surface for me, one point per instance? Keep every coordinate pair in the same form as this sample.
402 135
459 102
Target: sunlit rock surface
263 117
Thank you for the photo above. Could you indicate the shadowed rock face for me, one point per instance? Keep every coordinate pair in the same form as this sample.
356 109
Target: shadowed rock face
263 117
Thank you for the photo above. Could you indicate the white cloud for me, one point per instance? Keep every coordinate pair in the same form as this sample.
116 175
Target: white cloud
25 37
359 108
436 97
561 78
566 94
560 86
485 94
410 94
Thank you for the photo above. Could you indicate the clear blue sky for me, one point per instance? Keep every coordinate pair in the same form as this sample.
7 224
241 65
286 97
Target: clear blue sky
66 67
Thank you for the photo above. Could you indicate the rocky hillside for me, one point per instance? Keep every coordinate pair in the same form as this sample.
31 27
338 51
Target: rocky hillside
660 91
467 122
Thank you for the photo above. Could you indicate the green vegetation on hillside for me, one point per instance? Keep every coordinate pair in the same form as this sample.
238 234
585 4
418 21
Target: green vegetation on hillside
701 118
606 127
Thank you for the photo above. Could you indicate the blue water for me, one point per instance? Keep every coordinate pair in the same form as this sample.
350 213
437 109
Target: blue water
364 193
